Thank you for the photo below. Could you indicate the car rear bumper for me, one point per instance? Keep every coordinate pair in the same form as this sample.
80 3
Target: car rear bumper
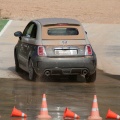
66 71
64 66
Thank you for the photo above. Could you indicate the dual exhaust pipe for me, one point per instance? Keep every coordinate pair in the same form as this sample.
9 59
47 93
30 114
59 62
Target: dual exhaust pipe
83 72
47 73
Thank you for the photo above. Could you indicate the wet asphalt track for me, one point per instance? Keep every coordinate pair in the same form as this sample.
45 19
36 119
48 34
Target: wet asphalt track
60 93
76 95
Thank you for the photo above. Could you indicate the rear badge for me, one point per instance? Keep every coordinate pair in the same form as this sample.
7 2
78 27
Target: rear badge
64 42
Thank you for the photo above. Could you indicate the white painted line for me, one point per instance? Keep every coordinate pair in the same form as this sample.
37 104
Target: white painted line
5 27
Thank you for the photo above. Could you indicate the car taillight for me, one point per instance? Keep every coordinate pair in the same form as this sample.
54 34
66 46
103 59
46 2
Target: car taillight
88 50
41 51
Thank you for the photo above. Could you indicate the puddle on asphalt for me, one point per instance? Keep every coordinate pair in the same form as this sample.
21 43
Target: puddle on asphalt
27 97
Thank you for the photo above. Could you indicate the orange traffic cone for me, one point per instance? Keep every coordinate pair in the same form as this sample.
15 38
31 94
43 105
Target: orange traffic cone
95 111
17 113
44 109
112 115
69 114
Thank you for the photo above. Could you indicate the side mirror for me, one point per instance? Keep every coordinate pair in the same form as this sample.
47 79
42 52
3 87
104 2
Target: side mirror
86 32
18 34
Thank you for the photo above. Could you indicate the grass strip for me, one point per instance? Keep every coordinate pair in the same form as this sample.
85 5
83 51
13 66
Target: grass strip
3 22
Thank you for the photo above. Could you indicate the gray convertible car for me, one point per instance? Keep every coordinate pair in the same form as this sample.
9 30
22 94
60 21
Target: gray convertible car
55 46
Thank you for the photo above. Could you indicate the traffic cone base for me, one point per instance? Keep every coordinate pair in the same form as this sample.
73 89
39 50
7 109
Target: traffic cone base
18 118
94 118
112 115
68 114
44 117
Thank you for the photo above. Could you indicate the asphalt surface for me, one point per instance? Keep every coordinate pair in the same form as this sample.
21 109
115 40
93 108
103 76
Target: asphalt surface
17 90
60 93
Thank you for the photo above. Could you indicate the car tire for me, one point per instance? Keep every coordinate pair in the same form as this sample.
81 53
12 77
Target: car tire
17 68
31 71
91 78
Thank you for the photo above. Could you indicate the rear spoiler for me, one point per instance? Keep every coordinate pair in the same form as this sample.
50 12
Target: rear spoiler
61 24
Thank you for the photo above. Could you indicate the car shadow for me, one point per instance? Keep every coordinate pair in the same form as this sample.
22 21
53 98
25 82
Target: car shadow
117 77
64 79
24 75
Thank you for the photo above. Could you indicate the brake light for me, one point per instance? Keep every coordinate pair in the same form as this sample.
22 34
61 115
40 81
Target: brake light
41 51
88 50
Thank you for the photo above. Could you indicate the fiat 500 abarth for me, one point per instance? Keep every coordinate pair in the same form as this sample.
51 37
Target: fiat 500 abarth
55 46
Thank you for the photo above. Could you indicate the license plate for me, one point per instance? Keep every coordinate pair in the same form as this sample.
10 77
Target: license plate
66 52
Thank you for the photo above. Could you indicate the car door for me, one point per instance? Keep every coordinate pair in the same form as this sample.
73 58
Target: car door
28 38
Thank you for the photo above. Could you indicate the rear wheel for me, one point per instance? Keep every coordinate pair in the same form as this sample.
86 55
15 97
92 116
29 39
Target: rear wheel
32 74
91 78
17 68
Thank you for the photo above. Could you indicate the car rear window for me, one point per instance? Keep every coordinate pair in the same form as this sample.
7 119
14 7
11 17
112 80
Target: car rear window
63 31
68 32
